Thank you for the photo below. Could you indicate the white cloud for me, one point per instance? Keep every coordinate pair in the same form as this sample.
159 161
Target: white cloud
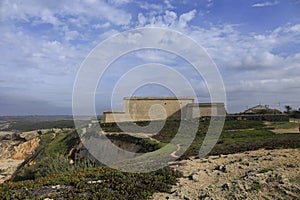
185 18
168 4
151 6
101 26
120 2
49 11
167 19
156 56
295 28
71 35
209 3
266 3
170 18
253 65
142 19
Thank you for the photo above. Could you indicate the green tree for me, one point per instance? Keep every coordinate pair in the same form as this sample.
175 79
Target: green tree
288 109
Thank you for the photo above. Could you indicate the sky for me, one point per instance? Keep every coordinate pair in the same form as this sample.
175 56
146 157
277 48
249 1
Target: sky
255 44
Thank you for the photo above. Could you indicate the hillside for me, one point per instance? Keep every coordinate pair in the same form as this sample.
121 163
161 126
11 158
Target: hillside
53 163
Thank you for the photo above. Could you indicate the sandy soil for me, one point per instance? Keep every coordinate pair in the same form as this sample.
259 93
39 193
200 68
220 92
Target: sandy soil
7 168
283 131
261 174
12 154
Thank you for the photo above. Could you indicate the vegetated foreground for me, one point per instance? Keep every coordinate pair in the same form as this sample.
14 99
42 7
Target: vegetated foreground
53 174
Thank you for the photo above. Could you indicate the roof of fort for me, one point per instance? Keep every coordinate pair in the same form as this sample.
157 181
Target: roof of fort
159 98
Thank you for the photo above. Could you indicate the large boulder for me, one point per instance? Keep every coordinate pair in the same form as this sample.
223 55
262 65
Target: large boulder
29 135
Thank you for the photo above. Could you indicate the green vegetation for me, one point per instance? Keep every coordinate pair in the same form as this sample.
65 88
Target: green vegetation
50 157
292 112
237 136
247 135
242 124
108 184
265 170
283 125
51 162
254 187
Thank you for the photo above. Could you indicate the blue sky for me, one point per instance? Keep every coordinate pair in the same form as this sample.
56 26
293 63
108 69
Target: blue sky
255 44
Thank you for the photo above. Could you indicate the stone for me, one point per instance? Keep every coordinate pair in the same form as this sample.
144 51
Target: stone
226 186
57 187
94 182
186 198
204 196
29 135
221 168
194 176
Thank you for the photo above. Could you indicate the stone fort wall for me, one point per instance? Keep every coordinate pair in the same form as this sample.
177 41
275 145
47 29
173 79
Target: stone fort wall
160 108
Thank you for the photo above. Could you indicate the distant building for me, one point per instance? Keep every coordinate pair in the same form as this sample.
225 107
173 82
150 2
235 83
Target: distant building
261 109
160 108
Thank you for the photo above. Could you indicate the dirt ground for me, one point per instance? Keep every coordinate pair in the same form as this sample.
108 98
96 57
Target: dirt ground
285 130
261 174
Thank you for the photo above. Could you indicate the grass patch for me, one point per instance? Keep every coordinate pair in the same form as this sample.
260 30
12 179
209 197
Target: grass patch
265 170
112 184
283 125
247 135
254 187
234 124
50 156
250 135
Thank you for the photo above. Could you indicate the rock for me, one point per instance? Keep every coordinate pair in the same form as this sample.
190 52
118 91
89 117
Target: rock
194 176
23 150
8 135
29 135
250 173
235 183
221 168
94 182
282 179
205 196
226 186
184 197
56 187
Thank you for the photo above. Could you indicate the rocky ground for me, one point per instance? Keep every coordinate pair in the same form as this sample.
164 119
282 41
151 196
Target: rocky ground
261 174
14 148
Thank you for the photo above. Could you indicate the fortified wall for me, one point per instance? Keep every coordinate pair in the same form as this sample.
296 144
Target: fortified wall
160 108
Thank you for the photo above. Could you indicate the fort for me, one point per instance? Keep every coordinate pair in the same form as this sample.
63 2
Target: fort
160 108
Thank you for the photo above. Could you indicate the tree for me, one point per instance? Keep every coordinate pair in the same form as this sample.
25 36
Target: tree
288 109
295 114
